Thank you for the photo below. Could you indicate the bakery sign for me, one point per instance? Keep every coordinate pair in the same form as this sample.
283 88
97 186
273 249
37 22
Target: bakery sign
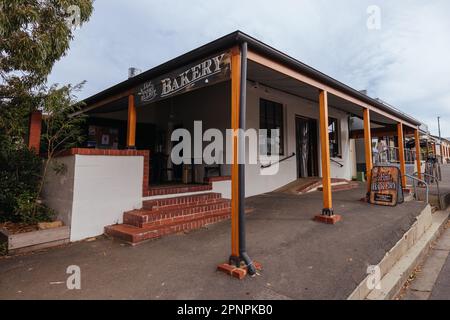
385 186
211 70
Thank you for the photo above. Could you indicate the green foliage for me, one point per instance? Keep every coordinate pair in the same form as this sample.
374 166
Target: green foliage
63 128
22 172
34 34
29 210
3 248
20 176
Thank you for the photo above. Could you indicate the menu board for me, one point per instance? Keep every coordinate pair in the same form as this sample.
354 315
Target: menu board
385 186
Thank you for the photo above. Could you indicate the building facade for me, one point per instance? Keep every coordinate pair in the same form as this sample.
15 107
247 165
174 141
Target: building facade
326 131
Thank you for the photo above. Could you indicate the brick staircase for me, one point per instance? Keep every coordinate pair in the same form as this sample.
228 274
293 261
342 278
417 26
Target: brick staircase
162 217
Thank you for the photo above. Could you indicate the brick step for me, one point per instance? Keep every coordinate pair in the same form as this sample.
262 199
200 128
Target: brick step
177 201
168 190
342 187
135 235
142 218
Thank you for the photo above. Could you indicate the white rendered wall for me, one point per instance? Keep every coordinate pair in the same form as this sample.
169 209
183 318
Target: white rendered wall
58 189
256 183
222 187
102 189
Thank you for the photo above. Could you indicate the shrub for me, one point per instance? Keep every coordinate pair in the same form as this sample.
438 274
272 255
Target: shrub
20 176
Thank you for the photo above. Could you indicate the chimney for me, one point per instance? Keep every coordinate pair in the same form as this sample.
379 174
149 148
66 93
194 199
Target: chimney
132 72
363 91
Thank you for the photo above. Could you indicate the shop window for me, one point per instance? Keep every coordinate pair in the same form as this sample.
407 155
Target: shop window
333 135
271 117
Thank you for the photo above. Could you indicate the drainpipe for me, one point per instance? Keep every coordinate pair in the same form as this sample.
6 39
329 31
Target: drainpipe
241 169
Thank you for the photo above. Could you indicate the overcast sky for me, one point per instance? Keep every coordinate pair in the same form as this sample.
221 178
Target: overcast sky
406 62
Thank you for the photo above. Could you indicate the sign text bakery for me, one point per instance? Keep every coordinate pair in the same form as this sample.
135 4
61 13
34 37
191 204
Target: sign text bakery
211 70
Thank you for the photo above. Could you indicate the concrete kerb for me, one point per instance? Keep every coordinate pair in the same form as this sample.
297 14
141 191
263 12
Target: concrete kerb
401 260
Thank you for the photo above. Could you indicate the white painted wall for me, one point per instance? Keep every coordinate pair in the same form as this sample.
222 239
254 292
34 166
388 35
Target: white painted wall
256 183
95 191
222 187
58 190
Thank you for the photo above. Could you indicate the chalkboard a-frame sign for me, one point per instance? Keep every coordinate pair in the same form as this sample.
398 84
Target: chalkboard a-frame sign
386 186
211 70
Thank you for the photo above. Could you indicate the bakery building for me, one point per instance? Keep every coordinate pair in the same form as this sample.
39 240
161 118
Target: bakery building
233 82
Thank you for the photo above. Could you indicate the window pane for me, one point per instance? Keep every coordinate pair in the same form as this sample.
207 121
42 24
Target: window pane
271 117
333 135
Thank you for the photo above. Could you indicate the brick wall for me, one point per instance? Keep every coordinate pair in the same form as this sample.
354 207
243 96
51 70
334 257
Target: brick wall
34 134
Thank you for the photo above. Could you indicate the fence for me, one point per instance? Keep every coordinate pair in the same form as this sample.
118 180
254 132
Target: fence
391 155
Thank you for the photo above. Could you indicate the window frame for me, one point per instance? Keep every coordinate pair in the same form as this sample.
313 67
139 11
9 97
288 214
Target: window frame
337 153
277 119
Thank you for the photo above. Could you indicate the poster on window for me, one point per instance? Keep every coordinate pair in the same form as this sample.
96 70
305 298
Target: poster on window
103 137
385 186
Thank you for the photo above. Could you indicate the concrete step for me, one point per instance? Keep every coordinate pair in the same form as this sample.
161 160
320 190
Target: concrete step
135 235
316 184
341 187
143 218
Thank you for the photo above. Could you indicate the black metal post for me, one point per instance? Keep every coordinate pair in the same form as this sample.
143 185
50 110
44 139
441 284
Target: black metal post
242 125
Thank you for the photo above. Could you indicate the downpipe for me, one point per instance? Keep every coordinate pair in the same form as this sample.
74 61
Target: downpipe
242 124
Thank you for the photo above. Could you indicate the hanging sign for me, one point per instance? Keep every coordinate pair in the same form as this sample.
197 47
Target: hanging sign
385 186
211 70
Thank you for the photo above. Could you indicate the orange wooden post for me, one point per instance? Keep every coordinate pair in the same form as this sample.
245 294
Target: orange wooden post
368 146
401 152
131 125
327 215
325 149
235 99
34 133
419 164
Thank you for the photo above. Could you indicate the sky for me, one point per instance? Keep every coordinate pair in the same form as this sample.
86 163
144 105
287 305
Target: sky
401 55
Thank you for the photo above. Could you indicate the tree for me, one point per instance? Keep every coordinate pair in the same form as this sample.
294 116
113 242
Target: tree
62 125
34 34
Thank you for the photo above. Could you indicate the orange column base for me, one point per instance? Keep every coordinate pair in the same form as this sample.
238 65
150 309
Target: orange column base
328 219
235 272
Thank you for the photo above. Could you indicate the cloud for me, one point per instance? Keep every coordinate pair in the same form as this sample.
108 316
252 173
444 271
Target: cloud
405 62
